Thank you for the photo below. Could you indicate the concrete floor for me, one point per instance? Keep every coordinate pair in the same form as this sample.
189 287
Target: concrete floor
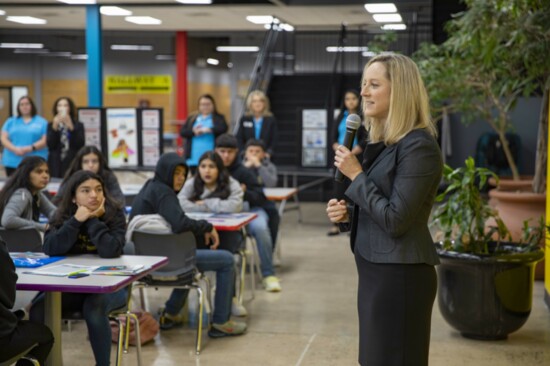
313 321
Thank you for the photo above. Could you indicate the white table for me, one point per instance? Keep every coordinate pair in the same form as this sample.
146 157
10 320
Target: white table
54 286
282 195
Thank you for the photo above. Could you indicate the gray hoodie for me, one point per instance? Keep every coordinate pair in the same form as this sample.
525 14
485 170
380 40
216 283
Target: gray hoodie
18 211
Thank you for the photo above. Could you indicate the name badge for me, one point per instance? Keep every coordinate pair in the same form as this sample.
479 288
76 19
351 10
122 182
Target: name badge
248 124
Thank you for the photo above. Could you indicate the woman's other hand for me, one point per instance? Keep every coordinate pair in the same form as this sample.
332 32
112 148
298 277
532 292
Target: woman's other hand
337 211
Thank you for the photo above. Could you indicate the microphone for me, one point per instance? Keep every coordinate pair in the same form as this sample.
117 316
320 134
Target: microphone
352 124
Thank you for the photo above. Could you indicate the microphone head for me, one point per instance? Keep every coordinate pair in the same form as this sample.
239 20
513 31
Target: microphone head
353 122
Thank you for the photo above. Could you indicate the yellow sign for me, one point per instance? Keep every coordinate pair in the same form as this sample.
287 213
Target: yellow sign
138 84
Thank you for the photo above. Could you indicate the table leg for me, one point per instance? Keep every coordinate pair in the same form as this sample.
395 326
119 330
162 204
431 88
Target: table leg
53 321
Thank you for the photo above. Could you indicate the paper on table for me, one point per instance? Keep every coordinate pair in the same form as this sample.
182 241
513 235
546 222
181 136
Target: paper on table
62 270
119 270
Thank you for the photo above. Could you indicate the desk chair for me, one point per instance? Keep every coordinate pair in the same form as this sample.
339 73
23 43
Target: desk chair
22 240
181 270
22 355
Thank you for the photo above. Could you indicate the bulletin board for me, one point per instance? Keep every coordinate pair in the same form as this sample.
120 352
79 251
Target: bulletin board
314 138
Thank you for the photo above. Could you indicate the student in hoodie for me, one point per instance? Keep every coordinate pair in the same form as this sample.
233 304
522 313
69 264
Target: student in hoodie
227 148
159 196
87 221
17 335
21 199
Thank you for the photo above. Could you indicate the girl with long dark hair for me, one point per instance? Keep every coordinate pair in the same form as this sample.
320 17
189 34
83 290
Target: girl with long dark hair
91 159
87 221
21 199
212 189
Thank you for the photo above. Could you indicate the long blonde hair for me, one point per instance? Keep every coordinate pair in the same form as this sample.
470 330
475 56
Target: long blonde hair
258 93
409 102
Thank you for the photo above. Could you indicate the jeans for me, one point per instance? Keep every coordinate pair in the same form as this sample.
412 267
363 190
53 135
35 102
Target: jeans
259 229
95 309
220 261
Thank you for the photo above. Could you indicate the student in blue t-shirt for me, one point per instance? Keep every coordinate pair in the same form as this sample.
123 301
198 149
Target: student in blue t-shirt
23 135
200 131
350 105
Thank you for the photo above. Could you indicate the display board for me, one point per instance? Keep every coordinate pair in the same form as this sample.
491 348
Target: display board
314 138
92 118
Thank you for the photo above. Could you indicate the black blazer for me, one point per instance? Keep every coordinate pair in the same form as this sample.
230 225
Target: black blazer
268 133
77 140
393 199
219 126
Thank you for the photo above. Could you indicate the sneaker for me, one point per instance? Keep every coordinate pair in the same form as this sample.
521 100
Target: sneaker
229 328
238 309
271 284
169 321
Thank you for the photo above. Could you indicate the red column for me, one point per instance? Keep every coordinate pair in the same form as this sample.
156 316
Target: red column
181 83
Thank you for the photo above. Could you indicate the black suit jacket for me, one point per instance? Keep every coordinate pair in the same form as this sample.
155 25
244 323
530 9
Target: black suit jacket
393 199
77 140
268 133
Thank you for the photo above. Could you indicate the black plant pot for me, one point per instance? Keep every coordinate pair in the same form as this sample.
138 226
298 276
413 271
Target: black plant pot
486 297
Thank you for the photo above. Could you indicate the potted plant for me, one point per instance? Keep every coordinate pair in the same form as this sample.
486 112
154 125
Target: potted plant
485 283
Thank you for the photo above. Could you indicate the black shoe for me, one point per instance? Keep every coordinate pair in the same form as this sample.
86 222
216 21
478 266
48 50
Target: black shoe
168 321
334 231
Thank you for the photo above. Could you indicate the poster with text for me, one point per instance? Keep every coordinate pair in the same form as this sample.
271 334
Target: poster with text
314 138
150 119
314 157
314 118
122 146
91 119
150 156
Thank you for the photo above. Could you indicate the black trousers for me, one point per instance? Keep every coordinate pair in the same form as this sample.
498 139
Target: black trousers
395 304
25 335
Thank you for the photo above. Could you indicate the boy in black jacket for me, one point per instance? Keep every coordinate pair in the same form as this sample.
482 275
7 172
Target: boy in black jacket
17 335
259 228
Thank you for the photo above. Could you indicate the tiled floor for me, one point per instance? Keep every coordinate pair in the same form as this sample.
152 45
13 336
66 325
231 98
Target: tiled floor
314 321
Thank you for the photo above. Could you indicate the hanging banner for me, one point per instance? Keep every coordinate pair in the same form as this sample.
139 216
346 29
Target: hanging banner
138 84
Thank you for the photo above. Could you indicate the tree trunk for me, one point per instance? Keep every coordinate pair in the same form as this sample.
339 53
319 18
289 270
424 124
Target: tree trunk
508 153
539 181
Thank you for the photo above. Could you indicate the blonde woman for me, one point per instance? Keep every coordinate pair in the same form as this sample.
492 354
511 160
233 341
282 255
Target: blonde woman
258 123
393 192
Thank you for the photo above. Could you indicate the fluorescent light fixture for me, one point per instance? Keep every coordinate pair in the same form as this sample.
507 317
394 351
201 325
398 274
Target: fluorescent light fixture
165 57
131 47
260 19
143 20
381 8
195 2
114 11
369 54
267 26
387 18
26 20
347 49
212 61
2 12
78 2
30 50
237 48
394 27
229 65
21 45
79 57
287 27
57 54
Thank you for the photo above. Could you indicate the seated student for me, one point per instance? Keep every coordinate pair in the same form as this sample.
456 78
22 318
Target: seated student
256 159
159 196
87 221
17 335
91 159
21 199
212 189
226 147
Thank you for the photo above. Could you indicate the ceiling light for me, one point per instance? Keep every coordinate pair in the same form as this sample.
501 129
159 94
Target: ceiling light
131 47
212 61
195 2
347 49
79 57
267 26
114 11
21 45
2 12
160 57
78 2
387 18
144 20
229 65
30 50
394 27
287 27
237 48
26 20
57 54
260 19
381 8
369 54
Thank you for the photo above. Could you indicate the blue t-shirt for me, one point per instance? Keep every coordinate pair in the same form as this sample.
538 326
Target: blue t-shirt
202 143
342 130
24 134
258 127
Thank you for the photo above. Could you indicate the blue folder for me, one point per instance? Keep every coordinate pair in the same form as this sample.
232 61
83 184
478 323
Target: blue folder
32 260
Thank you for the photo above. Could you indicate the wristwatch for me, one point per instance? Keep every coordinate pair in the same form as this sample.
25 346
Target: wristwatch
33 147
